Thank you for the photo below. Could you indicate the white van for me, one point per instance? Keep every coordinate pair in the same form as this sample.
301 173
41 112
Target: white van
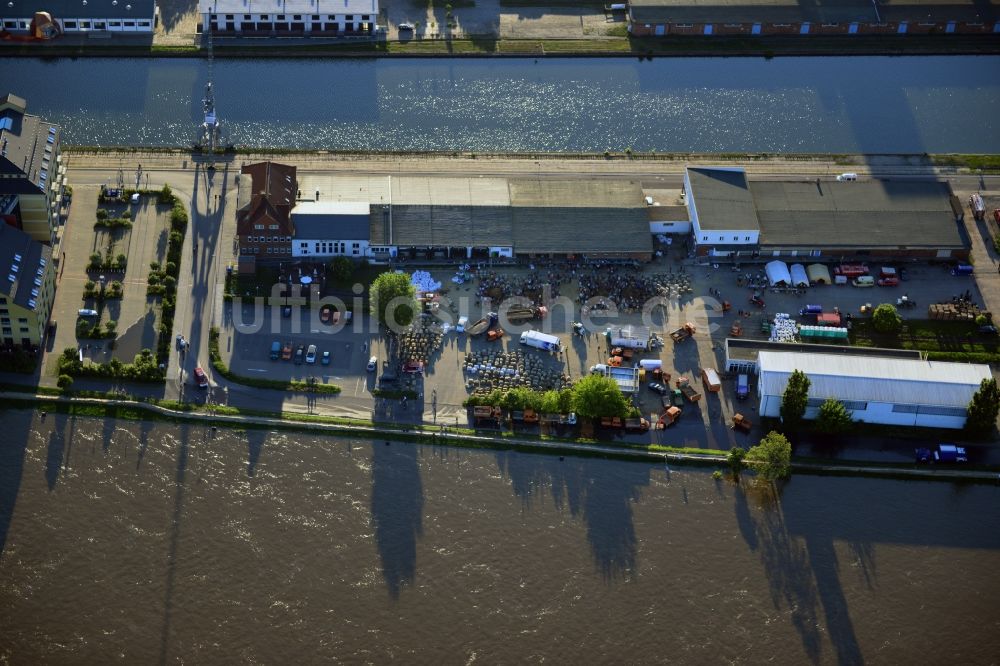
372 364
844 177
864 281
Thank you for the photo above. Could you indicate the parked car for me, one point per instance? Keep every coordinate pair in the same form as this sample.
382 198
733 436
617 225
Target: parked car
656 387
947 453
286 352
325 358
405 25
200 378
863 281
275 350
311 355
87 312
414 368
325 314
988 329
372 364
286 311
846 177
888 282
300 354
181 342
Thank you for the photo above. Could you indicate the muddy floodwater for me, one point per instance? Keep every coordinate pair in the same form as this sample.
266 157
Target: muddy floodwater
151 543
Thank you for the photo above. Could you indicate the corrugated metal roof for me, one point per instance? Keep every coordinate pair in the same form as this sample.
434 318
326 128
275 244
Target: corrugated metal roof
874 379
722 198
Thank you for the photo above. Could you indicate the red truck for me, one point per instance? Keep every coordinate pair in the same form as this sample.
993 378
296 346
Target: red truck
851 270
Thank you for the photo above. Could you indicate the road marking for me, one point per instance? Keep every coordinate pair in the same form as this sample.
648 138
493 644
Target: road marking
255 370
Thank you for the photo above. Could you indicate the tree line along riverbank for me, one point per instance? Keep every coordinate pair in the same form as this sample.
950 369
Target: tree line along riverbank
490 46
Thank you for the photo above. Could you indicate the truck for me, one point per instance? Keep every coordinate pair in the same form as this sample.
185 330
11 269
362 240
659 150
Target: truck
624 352
517 314
632 337
689 392
540 340
486 413
828 319
669 417
851 271
946 453
683 333
711 380
978 207
742 387
636 425
481 326
741 422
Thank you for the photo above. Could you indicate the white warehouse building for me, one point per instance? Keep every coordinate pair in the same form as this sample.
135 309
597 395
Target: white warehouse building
894 391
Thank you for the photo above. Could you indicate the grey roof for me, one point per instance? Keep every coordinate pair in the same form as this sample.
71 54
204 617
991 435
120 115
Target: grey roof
722 199
575 193
28 146
14 243
581 230
528 229
747 349
331 221
455 226
821 11
76 9
863 214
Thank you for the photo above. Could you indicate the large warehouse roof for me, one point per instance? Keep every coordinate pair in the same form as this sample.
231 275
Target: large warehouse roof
874 379
864 214
722 199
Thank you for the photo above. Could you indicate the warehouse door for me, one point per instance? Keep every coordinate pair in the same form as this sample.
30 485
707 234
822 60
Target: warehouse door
755 30
660 30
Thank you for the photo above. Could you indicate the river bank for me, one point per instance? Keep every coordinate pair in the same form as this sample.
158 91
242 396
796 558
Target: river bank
131 410
490 46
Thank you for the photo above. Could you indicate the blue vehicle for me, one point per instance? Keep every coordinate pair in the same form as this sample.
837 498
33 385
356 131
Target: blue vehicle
945 453
962 269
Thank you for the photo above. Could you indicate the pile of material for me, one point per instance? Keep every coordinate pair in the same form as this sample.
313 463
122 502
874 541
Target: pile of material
423 282
959 310
420 340
783 329
498 370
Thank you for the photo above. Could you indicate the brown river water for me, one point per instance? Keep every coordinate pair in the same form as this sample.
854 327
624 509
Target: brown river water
151 543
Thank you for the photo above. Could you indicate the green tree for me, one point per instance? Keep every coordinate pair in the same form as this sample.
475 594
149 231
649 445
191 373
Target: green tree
165 195
982 320
341 269
795 399
735 460
566 401
65 382
886 319
983 408
595 396
550 402
833 418
772 458
392 300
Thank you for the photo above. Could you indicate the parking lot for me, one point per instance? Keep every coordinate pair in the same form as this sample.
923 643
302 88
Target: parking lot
703 424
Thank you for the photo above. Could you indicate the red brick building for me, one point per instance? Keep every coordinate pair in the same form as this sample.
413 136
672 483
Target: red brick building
825 17
264 227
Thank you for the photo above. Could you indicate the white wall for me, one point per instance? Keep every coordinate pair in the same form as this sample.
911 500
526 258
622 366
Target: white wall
303 247
670 227
877 412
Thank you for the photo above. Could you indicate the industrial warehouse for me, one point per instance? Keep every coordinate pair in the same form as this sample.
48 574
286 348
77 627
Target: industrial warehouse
874 389
719 212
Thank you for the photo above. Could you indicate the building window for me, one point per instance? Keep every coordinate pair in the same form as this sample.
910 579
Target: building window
315 17
7 331
296 17
281 17
246 17
273 226
70 25
704 238
349 17
129 24
229 17
303 245
747 239
356 245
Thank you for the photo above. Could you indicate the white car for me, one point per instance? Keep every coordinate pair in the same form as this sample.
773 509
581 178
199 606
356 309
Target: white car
844 177
311 354
87 312
406 25
372 364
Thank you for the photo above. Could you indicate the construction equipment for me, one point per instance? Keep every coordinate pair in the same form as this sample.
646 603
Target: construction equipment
669 417
689 391
683 333
736 330
518 314
494 334
741 422
481 326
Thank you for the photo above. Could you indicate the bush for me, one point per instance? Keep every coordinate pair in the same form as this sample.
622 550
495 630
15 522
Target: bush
165 195
65 382
833 419
102 214
143 368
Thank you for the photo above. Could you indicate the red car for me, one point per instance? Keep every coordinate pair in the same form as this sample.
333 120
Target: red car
414 367
889 282
200 378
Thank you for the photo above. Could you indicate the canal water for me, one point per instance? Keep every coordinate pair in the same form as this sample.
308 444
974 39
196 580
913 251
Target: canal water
851 104
146 544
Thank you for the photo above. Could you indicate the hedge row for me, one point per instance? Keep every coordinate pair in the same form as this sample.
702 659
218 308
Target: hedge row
142 369
964 357
278 384
167 278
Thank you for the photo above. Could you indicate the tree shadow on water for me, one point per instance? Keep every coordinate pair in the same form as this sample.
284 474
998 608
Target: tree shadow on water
397 512
787 563
57 456
602 492
255 445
